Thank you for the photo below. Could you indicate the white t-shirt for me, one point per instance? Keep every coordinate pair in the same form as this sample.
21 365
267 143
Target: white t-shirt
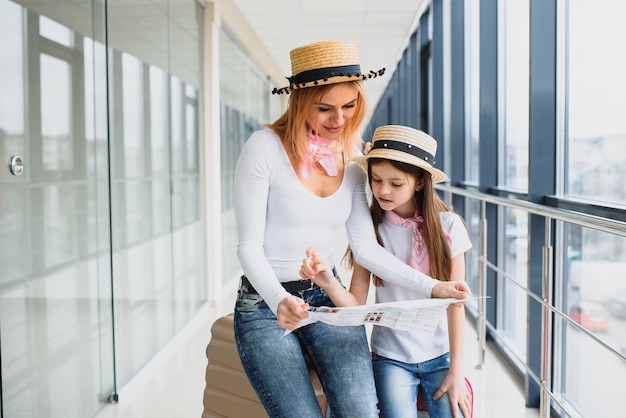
407 346
278 219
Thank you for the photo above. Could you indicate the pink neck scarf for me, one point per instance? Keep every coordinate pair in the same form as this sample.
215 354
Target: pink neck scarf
321 154
419 251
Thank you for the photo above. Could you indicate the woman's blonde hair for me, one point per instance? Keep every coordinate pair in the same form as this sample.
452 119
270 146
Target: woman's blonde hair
292 126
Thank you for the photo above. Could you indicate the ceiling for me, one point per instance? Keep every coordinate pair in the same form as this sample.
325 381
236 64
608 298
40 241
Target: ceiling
380 28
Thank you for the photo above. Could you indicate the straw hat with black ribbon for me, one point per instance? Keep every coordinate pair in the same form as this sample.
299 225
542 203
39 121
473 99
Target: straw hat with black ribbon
325 62
408 145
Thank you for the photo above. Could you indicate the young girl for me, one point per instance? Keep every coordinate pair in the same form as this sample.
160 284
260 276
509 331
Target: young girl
416 225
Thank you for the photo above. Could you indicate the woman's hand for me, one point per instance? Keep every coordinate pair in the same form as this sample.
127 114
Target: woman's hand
291 310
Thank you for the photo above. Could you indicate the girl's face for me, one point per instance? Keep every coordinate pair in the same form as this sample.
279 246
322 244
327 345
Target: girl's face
394 189
333 111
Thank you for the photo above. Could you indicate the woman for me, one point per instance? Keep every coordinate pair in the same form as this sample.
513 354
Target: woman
294 187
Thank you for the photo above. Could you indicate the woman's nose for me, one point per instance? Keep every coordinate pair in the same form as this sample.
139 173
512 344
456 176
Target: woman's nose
338 117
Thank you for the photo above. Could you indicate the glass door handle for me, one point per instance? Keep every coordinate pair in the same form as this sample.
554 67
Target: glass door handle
16 165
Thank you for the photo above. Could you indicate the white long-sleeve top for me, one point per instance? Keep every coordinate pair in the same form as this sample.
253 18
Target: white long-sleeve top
278 219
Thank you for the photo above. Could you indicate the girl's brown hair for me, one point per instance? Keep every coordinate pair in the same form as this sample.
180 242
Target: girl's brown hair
429 205
292 126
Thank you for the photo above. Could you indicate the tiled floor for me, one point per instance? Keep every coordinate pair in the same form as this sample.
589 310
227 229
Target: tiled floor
171 385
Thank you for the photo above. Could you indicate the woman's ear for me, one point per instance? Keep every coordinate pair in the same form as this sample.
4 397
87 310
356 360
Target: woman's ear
419 185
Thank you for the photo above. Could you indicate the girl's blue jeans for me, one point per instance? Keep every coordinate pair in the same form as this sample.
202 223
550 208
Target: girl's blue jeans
398 383
275 365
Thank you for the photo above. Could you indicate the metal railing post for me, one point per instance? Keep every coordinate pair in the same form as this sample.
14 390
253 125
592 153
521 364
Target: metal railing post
546 316
482 287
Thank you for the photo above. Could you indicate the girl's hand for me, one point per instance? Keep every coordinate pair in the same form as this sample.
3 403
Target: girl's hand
458 395
452 289
291 310
315 269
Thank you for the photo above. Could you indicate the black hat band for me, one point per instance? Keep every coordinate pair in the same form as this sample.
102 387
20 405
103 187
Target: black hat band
325 73
404 147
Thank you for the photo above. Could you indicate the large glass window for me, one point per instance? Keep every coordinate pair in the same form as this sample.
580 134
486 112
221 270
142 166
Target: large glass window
472 94
159 149
512 283
513 108
596 101
56 334
513 90
12 132
104 221
594 299
159 282
473 265
538 258
133 116
56 108
55 31
246 105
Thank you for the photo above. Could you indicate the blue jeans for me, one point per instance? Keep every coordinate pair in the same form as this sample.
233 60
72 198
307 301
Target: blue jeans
277 370
398 383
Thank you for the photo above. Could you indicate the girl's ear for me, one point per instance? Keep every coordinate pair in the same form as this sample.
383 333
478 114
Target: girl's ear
419 185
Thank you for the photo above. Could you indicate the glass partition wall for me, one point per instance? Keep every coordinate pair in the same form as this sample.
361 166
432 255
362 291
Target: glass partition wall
100 245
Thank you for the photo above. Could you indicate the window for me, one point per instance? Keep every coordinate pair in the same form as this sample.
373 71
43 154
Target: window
513 90
245 105
472 77
596 101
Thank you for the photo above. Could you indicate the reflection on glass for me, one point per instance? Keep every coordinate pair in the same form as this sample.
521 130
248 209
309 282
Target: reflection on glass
55 341
515 47
154 208
59 223
191 91
161 206
191 135
13 256
159 126
55 31
177 121
596 91
133 106
244 108
513 310
55 114
11 81
472 80
257 90
472 264
594 299
233 64
137 199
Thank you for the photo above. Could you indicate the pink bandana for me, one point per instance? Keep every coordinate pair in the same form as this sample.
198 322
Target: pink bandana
321 152
419 251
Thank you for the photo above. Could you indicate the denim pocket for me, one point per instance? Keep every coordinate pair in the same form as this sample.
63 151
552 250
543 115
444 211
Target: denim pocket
248 301
252 306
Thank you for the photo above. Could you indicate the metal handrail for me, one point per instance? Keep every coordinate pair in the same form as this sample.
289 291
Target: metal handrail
549 213
583 219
